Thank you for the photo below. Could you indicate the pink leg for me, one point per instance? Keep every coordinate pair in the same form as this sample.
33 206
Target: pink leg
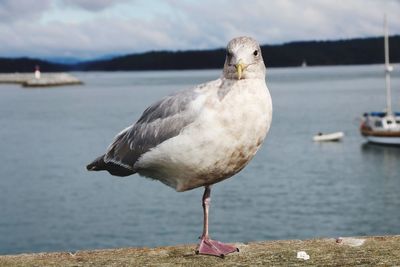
208 246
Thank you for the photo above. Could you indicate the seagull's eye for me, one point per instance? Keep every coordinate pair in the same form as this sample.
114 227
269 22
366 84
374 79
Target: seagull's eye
228 53
255 53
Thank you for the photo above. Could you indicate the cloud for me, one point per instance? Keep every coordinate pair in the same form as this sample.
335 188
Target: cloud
28 10
117 27
91 5
285 20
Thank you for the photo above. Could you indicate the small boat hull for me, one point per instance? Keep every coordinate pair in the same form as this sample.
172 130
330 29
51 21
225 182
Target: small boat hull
384 140
328 137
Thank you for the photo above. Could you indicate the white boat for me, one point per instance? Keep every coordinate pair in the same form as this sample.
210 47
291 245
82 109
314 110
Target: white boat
383 127
320 137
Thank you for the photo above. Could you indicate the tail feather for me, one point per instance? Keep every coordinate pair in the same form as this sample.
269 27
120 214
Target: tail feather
99 165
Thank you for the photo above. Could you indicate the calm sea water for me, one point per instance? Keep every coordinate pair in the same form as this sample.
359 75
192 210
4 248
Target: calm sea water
293 188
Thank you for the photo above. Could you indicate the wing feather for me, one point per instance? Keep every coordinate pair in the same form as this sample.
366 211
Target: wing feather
159 122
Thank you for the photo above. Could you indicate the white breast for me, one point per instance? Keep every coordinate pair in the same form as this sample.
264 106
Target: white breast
224 138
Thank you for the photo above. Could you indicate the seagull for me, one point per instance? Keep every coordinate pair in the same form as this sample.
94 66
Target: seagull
201 136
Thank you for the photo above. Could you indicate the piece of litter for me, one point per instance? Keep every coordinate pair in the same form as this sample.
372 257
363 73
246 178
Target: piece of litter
303 255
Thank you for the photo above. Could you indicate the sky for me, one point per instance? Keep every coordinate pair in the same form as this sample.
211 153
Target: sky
88 29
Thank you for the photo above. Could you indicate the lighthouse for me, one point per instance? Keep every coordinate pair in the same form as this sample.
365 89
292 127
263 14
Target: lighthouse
37 72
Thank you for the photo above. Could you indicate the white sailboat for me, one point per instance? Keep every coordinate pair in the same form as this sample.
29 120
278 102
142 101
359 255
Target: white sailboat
383 127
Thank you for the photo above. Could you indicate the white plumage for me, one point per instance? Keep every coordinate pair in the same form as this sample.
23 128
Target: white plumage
224 137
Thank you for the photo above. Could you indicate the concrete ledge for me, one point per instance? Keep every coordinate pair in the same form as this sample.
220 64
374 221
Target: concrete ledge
46 79
364 251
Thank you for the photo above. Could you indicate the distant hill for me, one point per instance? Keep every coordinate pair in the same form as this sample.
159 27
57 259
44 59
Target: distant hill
28 65
321 53
340 52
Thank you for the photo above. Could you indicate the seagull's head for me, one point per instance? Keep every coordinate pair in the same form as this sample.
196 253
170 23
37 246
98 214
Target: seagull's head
244 59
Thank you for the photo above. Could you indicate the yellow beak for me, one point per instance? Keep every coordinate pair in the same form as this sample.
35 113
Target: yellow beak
239 68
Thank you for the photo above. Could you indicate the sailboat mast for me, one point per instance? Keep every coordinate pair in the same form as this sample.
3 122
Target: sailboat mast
388 69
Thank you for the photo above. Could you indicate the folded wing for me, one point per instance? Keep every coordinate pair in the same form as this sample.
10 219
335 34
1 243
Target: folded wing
161 121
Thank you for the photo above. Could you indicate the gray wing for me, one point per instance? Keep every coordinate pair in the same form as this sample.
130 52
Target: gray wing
159 122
